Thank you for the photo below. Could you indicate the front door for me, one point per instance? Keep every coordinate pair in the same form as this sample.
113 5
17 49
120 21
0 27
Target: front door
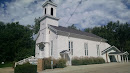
112 58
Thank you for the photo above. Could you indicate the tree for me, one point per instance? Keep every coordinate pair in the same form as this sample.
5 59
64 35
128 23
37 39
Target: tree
73 27
16 41
88 30
116 33
36 26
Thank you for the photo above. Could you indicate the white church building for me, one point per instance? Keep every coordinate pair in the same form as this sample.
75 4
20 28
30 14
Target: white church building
61 42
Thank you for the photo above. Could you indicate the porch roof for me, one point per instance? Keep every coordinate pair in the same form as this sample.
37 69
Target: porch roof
119 53
109 48
64 52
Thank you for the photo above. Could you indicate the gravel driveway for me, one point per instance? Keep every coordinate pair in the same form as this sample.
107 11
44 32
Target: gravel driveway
97 68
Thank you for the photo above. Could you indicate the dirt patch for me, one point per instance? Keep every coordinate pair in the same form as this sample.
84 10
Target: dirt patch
7 70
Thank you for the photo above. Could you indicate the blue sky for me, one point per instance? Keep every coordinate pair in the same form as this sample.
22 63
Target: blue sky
90 13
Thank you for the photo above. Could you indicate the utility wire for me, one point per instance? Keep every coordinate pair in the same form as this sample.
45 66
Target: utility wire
74 11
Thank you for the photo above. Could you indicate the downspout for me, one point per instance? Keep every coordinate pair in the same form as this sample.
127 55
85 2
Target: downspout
69 52
99 46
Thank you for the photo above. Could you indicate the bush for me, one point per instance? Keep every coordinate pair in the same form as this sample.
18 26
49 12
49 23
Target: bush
47 63
61 63
101 60
87 60
57 63
25 68
76 61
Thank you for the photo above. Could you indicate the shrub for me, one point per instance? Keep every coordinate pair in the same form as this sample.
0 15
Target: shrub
25 68
101 60
87 60
57 63
61 63
91 60
76 61
47 63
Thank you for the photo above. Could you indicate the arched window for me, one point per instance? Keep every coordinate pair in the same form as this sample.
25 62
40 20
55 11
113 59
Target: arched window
52 11
41 47
45 10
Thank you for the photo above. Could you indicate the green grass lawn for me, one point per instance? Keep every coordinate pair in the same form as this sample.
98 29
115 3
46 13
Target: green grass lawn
9 64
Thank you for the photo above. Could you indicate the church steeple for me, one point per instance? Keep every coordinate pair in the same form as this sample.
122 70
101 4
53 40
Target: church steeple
49 8
49 13
48 18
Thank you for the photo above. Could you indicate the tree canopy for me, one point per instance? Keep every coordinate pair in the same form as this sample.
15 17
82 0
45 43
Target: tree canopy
16 41
116 33
72 27
36 27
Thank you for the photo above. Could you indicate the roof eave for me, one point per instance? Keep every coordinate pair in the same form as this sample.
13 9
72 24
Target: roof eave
48 16
110 48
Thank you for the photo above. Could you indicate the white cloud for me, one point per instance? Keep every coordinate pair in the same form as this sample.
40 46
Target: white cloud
90 13
24 11
128 1
94 12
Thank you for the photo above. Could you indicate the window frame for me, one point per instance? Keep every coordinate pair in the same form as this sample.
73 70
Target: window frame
52 11
70 47
98 50
86 49
45 10
41 47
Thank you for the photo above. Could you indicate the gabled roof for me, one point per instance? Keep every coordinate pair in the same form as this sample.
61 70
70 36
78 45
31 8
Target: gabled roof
65 52
119 53
109 48
75 33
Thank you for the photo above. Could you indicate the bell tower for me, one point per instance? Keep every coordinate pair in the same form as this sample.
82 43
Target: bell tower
48 18
49 8
49 13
